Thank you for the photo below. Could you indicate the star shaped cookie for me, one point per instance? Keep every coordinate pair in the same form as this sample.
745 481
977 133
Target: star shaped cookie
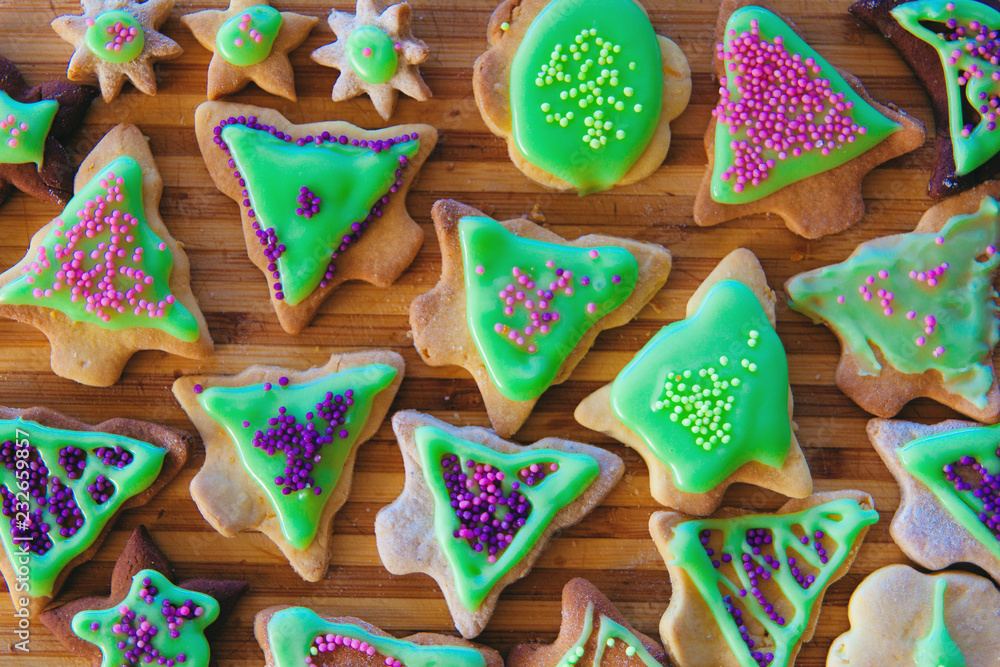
250 41
949 513
376 54
253 424
118 40
146 617
33 124
724 361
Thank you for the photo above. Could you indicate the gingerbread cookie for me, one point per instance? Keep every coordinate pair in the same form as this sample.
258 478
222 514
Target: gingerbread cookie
707 402
593 634
280 446
63 484
518 306
117 40
582 109
33 124
948 476
106 279
902 617
147 619
335 211
376 54
950 47
915 313
435 526
293 636
747 588
249 41
794 138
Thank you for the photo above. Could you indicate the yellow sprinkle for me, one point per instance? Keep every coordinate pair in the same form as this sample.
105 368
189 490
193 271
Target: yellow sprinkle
505 26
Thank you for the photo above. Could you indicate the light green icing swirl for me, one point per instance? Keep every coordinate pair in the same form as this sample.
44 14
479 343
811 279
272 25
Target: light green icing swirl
840 520
24 127
247 38
473 574
958 339
190 643
710 393
128 481
608 634
937 649
242 411
109 27
116 300
372 54
586 90
576 651
523 356
291 634
970 149
925 458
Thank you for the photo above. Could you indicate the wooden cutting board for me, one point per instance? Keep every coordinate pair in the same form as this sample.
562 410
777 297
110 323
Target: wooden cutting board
611 547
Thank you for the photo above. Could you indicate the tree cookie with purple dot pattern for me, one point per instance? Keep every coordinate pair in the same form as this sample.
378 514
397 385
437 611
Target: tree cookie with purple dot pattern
147 619
746 589
376 54
916 313
791 134
280 447
249 41
949 479
106 279
583 92
63 484
336 211
299 637
34 123
707 401
902 617
476 510
117 40
519 306
593 634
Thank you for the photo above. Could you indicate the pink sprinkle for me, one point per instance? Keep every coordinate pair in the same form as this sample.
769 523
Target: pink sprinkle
238 41
366 52
840 299
480 269
989 251
883 274
593 254
591 307
870 280
921 341
887 311
939 240
12 143
910 315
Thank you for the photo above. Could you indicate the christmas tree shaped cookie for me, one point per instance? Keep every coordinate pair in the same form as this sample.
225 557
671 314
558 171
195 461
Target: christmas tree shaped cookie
477 510
334 212
915 313
147 619
105 279
593 634
707 402
281 444
518 306
947 473
63 484
747 588
293 636
791 134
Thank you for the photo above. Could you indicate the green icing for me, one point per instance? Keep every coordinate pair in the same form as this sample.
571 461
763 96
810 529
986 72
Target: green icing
609 633
576 651
797 155
937 649
586 90
473 572
927 458
840 521
925 300
292 635
523 321
246 412
115 37
44 562
710 393
24 127
247 38
70 271
350 181
970 77
372 54
98 626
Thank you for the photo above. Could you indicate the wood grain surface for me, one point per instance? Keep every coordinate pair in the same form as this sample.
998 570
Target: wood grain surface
611 547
